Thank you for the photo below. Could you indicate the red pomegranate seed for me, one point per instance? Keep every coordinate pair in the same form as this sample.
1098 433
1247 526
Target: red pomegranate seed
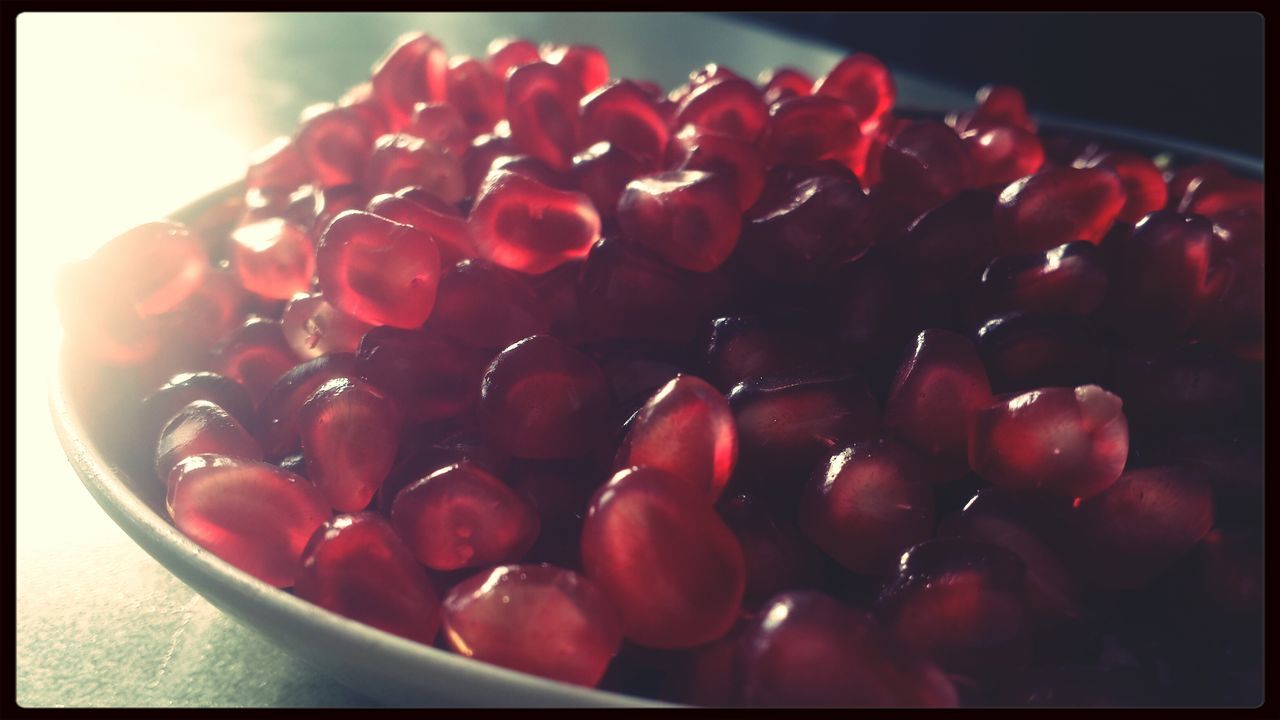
485 306
1144 187
786 425
695 149
540 398
429 377
624 290
1003 153
928 161
255 355
461 516
534 169
413 71
807 649
686 429
185 388
1168 273
705 75
402 160
475 92
273 258
155 266
1183 386
1070 279
521 224
1069 443
211 312
1025 351
1231 568
335 143
586 64
362 100
542 107
934 397
876 312
202 428
378 271
313 327
250 514
277 425
690 219
335 201
1235 320
669 564
776 556
818 223
277 167
506 54
602 171
808 129
862 81
440 124
960 603
430 214
867 504
1127 535
1179 181
742 348
625 116
1003 104
782 83
490 617
1222 195
479 158
945 249
732 106
100 322
1055 207
357 567
1015 522
349 431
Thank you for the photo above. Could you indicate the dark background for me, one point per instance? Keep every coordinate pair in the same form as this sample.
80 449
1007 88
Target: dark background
1194 76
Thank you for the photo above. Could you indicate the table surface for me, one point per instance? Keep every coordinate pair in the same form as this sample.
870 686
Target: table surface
124 117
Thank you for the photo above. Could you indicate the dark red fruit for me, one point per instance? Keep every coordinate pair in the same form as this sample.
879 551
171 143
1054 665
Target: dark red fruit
273 258
690 219
440 124
413 71
251 514
477 94
524 225
1070 279
185 388
461 516
669 564
602 172
1186 386
335 143
534 169
625 116
742 348
1055 207
542 107
255 355
540 398
429 377
731 106
695 149
507 53
808 129
202 428
277 167
1024 351
1002 154
1065 442
1144 187
576 633
401 160
349 431
1221 195
586 64
378 271
818 223
782 83
212 312
927 161
431 215
479 158
488 307
313 327
945 249
862 81
357 567
277 425
1231 568
776 555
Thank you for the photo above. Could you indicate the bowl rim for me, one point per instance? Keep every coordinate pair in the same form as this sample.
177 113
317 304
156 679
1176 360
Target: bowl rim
228 588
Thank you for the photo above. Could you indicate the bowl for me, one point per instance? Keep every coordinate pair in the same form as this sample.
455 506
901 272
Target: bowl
383 666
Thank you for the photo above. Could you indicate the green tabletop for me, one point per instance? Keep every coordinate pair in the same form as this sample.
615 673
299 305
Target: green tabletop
124 117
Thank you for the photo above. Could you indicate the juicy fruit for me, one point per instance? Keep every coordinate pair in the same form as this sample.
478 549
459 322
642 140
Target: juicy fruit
636 339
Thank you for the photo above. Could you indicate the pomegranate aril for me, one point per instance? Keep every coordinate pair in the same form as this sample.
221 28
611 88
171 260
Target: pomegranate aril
862 81
961 603
818 223
705 75
784 82
462 516
776 555
742 348
1126 536
1222 195
868 503
488 307
154 266
1235 319
625 116
420 460
185 388
1025 351
687 430
945 249
430 214
202 428
251 514
1144 187
506 54
690 219
441 125
812 128
731 106
807 649
429 377
928 161
413 71
335 143
378 271
255 355
1004 153
534 169
542 107
479 158
711 677
365 104
277 167
277 425
349 432
874 310
1070 279
1187 386
658 550
1003 104
100 322
1055 207
477 94
401 160
586 64
537 619
1065 442
313 327
695 149
357 567
522 224
273 258
934 397
602 171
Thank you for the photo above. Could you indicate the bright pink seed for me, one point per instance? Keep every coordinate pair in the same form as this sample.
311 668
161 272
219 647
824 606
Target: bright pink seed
537 619
687 430
690 219
349 432
524 225
402 160
461 516
335 143
356 566
378 271
413 71
731 106
808 129
251 514
441 125
475 92
625 116
1065 442
669 564
1002 154
273 258
542 107
430 214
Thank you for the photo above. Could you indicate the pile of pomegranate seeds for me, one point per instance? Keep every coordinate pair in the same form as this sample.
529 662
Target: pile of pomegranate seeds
746 393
